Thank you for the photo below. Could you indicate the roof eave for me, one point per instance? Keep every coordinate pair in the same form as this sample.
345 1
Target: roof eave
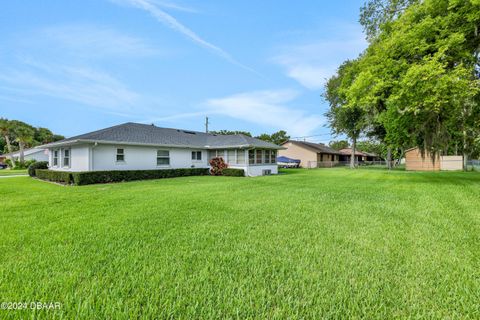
90 141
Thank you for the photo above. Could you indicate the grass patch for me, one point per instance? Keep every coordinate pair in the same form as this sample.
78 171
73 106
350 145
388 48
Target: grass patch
8 172
327 243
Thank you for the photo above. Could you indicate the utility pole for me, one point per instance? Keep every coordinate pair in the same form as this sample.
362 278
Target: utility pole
206 124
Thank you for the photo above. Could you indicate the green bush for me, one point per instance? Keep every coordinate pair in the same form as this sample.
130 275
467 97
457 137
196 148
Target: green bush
92 177
233 172
37 165
18 165
56 176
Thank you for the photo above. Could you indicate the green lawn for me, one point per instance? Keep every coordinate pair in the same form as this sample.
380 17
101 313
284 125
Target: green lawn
6 172
327 243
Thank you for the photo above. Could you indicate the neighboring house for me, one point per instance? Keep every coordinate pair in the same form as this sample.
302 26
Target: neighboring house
360 156
311 155
414 161
133 146
37 154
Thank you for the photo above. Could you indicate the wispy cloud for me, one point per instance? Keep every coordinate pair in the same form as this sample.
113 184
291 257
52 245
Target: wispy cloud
14 99
174 117
311 62
75 75
169 21
174 6
96 41
78 84
267 108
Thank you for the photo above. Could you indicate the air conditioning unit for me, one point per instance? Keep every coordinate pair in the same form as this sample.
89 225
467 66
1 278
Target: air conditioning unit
266 172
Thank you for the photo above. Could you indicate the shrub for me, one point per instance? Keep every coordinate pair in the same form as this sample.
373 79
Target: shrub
233 172
92 177
56 176
217 166
18 165
37 165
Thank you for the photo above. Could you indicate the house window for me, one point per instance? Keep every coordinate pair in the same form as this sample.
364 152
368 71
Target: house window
231 156
240 156
66 157
267 156
163 157
273 156
120 155
197 155
251 156
221 154
212 154
55 158
258 158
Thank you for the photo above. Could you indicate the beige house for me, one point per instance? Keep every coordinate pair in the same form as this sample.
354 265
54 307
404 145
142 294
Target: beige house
311 155
360 156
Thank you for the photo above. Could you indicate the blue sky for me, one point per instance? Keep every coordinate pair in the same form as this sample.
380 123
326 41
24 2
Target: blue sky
259 66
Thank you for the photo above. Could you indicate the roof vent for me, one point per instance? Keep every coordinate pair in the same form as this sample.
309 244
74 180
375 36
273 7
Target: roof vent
153 125
190 132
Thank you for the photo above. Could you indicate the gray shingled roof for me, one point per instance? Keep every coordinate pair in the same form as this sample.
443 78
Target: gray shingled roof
142 134
318 147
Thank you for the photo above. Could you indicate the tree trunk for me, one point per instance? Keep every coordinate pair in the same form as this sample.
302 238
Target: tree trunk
9 148
21 144
352 157
402 153
465 146
389 158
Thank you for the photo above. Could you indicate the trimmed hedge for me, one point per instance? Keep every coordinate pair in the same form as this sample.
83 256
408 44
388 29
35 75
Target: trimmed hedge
56 176
37 165
92 177
231 172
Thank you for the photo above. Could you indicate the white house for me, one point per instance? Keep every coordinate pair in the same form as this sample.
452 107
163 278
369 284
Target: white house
134 146
38 154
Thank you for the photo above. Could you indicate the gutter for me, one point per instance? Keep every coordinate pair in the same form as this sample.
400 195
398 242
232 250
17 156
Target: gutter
96 142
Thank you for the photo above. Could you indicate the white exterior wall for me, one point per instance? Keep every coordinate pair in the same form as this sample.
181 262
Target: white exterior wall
102 157
41 155
79 158
142 158
257 170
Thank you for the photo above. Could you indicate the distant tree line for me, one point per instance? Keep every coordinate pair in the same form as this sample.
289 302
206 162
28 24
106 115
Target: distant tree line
277 138
16 135
418 82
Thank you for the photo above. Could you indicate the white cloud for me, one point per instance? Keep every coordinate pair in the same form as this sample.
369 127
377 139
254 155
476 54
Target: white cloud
169 21
79 84
174 6
267 108
65 67
93 41
310 63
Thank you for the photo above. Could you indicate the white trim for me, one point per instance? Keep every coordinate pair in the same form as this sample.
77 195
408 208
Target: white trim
77 141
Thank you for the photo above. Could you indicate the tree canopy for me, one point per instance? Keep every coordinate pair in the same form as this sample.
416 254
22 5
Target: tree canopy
277 138
417 83
339 144
17 132
230 132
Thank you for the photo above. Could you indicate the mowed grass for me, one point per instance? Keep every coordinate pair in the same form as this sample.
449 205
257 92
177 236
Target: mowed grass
326 243
7 172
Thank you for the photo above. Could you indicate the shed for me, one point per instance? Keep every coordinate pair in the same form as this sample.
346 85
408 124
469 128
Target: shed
415 162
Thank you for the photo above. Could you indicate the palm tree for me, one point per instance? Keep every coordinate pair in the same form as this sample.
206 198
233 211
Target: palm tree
6 131
24 134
